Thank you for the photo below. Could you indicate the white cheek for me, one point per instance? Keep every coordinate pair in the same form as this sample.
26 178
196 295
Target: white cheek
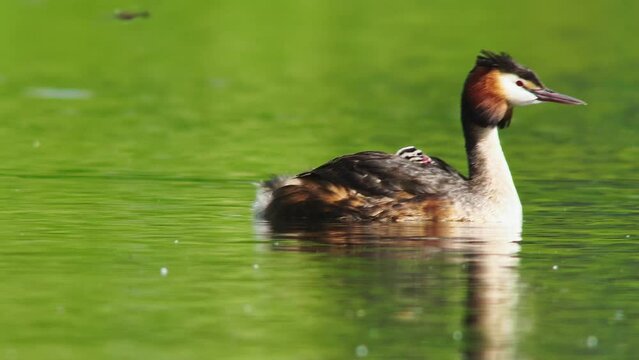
516 95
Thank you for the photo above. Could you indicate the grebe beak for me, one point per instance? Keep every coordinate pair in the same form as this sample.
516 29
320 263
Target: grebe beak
551 96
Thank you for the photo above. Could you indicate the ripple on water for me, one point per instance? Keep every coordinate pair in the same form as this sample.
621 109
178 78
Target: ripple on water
59 93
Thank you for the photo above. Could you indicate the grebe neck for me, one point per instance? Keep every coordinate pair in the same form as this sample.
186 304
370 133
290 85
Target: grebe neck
488 172
486 160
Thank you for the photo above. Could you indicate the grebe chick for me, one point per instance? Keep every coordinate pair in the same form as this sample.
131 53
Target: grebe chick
376 186
414 154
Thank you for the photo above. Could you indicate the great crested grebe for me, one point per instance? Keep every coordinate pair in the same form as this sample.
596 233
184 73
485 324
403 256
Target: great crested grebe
406 186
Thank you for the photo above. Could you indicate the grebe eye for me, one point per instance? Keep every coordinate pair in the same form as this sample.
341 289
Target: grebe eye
519 83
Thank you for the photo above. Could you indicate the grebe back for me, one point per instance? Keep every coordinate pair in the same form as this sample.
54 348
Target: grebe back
408 185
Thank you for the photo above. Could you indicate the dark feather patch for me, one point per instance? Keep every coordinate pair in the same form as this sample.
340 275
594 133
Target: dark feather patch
501 61
374 173
505 121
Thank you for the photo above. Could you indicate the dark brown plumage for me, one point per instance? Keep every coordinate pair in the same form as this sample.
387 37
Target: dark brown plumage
365 186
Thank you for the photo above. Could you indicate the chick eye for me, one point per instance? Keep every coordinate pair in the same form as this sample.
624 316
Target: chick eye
519 83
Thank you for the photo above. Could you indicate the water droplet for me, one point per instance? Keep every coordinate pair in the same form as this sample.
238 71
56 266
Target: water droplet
256 266
555 267
628 236
619 315
36 144
592 341
361 351
458 335
360 313
248 309
176 241
164 271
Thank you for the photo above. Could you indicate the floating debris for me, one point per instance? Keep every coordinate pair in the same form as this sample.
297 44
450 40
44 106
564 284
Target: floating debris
409 314
130 15
164 271
58 93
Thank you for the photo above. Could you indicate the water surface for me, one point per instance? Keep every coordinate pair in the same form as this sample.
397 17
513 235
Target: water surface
129 151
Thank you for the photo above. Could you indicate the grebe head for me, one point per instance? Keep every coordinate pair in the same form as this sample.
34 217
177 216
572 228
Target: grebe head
497 83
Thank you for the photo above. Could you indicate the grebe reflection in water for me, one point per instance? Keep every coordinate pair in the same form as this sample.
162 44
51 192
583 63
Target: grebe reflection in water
420 271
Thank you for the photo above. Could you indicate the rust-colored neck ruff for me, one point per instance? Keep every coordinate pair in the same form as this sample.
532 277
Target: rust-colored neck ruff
483 101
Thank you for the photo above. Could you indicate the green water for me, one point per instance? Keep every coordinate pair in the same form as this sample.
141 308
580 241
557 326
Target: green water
131 147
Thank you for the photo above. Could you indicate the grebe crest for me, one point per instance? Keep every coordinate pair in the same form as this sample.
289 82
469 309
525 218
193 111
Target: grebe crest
408 185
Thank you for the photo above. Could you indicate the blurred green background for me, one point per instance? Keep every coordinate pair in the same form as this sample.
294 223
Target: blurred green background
129 146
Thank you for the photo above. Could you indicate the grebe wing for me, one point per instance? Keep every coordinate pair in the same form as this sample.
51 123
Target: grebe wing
375 173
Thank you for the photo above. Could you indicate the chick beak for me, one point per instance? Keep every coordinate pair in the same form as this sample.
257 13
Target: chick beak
551 96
